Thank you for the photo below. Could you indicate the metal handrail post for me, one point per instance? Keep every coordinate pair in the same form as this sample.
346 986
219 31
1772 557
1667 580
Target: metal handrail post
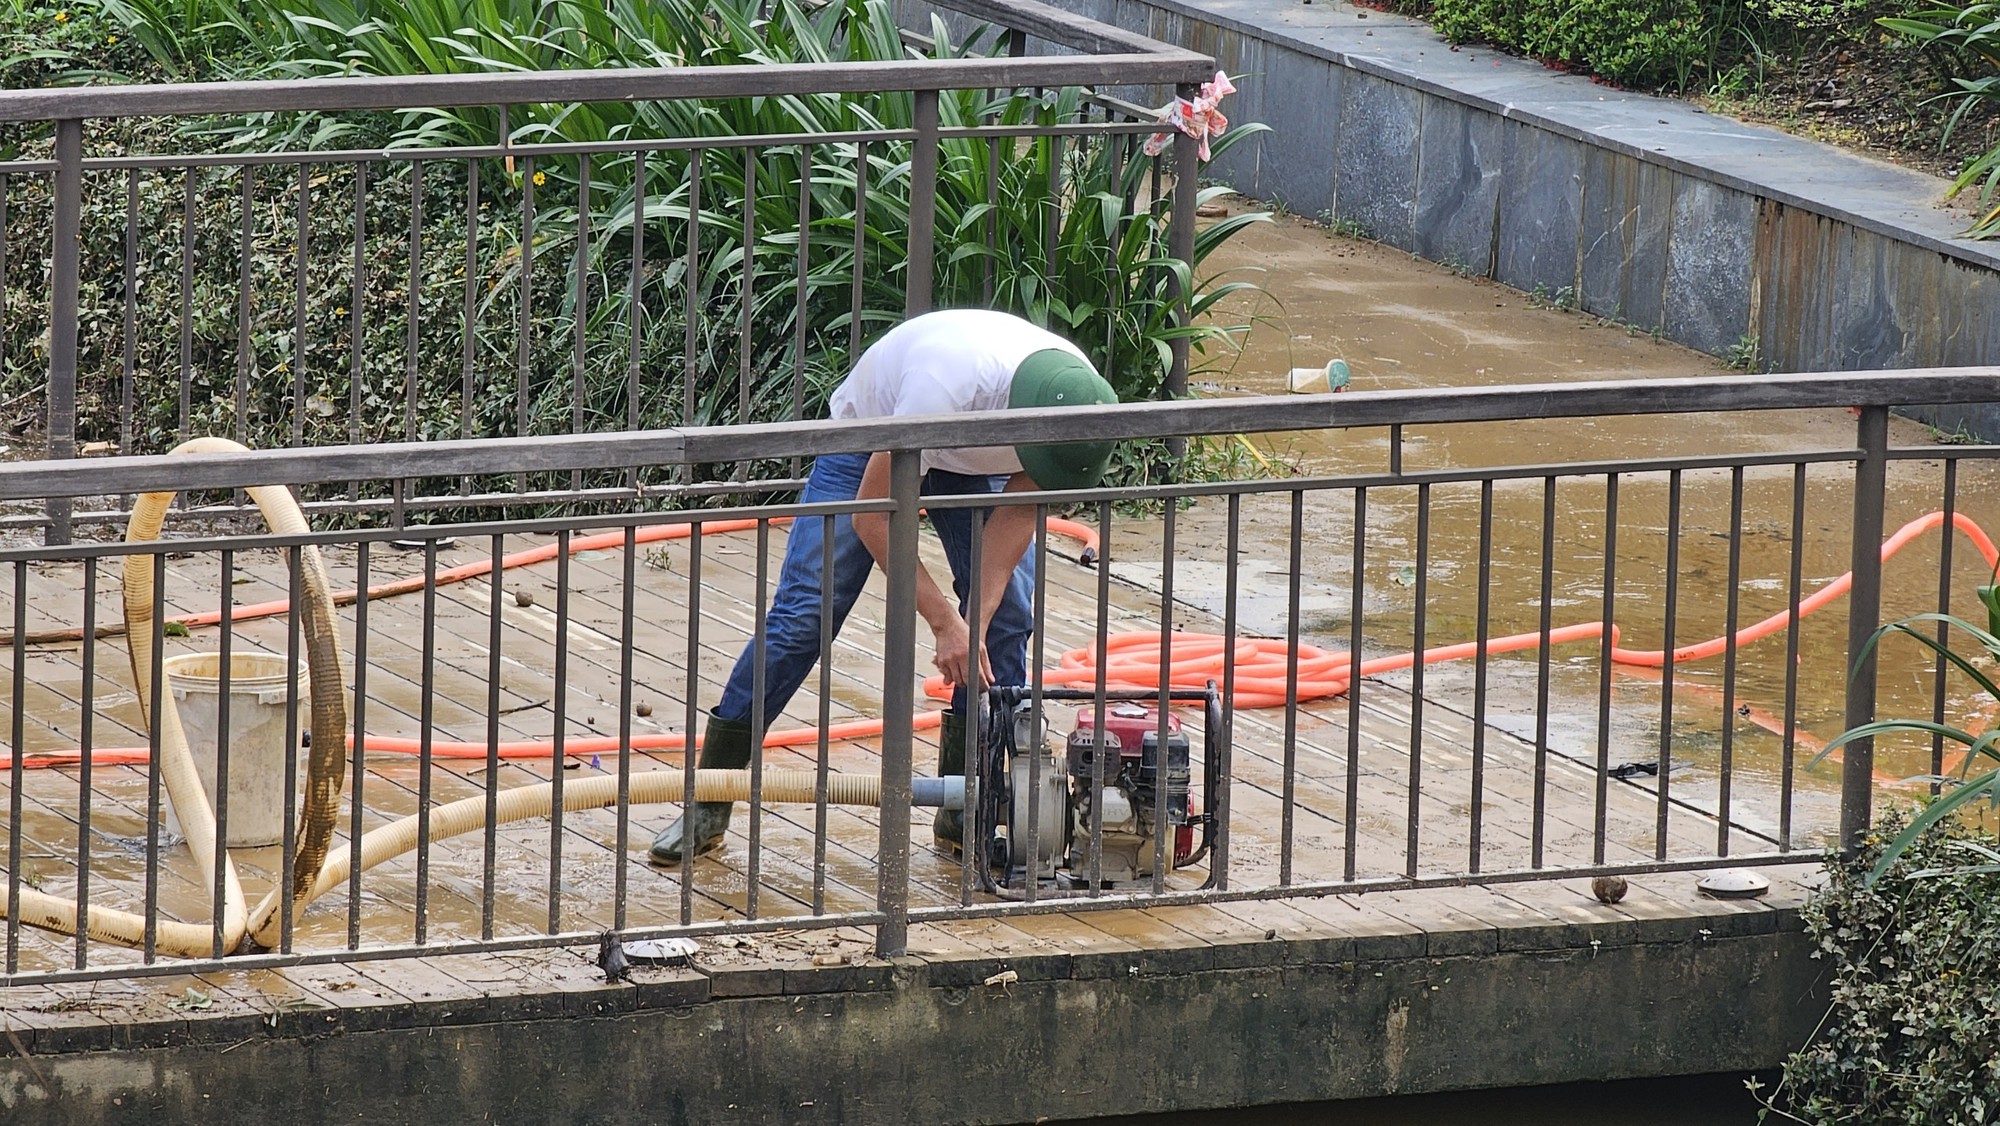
1864 612
63 313
1180 243
899 670
923 206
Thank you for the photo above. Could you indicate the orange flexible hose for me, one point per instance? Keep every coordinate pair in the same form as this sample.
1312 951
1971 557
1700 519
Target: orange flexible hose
1132 661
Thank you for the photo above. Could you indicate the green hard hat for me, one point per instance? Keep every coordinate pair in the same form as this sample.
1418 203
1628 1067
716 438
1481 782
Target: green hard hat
1054 377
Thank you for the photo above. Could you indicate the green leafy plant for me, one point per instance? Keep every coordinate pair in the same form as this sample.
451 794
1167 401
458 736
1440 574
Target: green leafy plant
1963 788
1675 44
1971 31
1747 354
1910 1037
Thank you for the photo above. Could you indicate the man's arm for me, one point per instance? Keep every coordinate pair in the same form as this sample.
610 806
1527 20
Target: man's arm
954 649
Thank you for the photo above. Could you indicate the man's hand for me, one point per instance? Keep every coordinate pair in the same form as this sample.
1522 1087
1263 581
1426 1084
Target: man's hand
954 660
1008 532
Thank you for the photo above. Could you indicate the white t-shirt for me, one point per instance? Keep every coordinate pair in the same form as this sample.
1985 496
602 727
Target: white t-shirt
946 362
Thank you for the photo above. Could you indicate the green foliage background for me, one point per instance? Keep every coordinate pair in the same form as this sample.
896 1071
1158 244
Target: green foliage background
454 323
1913 1034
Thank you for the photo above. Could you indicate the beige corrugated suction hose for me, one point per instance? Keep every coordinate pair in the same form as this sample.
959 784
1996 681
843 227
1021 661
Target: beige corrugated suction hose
317 869
648 786
325 770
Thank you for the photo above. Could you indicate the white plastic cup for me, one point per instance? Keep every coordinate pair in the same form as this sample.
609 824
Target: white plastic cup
259 703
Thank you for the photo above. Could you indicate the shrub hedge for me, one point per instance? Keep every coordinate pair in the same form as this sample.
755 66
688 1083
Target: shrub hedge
1649 44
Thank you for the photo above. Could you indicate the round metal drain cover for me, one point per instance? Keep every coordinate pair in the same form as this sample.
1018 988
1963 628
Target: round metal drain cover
1734 883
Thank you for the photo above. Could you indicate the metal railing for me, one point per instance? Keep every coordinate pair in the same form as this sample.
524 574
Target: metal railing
1403 780
424 291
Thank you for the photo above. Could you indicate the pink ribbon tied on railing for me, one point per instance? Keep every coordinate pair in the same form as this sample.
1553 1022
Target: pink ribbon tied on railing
1200 118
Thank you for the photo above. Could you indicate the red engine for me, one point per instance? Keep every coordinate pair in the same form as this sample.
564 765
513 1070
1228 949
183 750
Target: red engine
1131 782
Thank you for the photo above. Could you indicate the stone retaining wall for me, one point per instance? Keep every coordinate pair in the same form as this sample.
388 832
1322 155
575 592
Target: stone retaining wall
1715 233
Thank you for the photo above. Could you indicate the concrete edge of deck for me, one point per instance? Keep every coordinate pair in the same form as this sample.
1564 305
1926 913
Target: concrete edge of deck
1404 996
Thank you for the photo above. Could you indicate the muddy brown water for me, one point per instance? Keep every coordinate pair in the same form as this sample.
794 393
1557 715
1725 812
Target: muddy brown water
1405 323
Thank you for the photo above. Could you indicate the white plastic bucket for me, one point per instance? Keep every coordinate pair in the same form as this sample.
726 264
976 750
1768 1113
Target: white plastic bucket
259 701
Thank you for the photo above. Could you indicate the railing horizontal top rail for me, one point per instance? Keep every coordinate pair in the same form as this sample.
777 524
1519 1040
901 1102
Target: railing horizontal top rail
559 86
181 161
699 445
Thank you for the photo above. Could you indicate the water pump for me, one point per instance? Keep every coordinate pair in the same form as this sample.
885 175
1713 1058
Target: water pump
1082 817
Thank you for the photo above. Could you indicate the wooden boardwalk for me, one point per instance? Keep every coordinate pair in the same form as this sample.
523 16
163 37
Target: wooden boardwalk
401 661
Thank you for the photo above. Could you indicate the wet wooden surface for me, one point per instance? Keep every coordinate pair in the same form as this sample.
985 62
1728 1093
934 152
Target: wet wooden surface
451 671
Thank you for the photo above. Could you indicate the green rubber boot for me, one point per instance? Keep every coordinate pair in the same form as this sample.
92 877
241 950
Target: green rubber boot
948 828
724 746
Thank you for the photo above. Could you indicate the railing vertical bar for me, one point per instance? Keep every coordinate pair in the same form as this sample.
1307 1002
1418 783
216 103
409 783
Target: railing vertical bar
357 323
859 265
301 255
1788 775
226 564
627 644
413 304
823 751
1670 616
801 295
468 334
1864 603
578 378
357 802
131 222
184 416
923 206
17 753
426 715
489 859
975 713
1038 666
289 842
1053 211
1538 835
65 277
692 668
83 767
128 369
245 277
1288 807
635 311
1482 662
747 297
1726 772
1100 740
992 217
691 293
559 720
1418 632
1357 599
524 341
1163 829
1218 802
898 698
759 710
1180 246
1943 629
1602 793
155 747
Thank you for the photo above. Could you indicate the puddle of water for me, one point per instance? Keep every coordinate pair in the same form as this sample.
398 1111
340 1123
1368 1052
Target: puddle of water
1403 323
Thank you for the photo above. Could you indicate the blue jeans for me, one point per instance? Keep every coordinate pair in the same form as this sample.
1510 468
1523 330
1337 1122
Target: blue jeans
792 624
